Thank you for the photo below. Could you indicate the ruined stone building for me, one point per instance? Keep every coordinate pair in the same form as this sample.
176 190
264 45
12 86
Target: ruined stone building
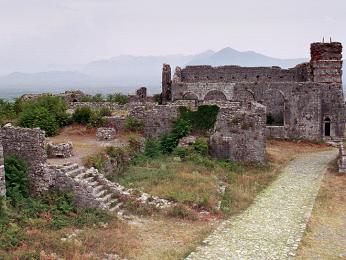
305 102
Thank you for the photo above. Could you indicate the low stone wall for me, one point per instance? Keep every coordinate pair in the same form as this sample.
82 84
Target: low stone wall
239 133
28 145
117 122
157 119
276 132
342 159
2 174
63 150
104 133
108 105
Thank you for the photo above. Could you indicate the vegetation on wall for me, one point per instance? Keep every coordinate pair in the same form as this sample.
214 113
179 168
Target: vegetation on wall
133 124
51 210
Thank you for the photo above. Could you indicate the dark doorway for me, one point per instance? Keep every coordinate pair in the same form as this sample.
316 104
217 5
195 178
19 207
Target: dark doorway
327 127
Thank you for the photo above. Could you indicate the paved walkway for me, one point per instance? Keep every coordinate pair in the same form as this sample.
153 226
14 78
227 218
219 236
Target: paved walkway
272 227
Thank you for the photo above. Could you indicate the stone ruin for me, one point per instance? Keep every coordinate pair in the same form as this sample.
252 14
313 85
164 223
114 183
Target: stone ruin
187 141
141 93
304 102
62 150
342 159
105 134
2 173
68 96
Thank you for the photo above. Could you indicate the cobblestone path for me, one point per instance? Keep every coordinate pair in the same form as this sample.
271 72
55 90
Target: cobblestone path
272 227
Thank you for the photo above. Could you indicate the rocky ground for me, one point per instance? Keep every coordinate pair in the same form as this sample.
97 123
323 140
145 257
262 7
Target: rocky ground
273 226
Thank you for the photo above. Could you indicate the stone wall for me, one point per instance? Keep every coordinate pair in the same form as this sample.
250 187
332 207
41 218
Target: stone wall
62 150
28 144
239 133
342 158
157 119
105 134
2 173
68 96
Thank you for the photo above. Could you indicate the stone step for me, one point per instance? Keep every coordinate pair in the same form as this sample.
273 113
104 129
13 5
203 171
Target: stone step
89 179
70 167
94 183
112 202
116 207
98 188
101 193
76 172
106 197
81 175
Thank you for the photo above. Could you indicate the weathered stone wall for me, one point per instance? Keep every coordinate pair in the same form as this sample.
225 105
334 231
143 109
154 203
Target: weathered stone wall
68 96
342 158
28 144
276 132
157 119
239 133
104 133
302 99
2 173
62 150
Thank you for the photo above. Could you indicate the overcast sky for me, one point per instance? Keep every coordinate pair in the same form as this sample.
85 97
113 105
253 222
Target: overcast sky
56 34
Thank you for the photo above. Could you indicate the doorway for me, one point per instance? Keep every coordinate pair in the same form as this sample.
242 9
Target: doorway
327 127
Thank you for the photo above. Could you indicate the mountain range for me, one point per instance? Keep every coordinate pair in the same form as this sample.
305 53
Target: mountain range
125 73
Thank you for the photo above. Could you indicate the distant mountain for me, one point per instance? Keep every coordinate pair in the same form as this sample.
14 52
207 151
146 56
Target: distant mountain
229 56
125 73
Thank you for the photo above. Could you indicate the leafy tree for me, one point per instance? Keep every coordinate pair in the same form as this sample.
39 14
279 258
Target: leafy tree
118 98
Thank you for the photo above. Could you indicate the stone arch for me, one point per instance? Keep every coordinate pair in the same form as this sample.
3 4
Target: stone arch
215 95
190 96
274 100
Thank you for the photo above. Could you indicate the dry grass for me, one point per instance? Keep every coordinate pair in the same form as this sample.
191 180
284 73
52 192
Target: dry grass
159 237
325 235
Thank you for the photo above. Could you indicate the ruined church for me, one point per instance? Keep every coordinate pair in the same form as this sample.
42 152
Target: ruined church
305 102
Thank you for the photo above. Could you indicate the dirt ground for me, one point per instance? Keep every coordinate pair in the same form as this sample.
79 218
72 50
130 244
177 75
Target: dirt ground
84 143
325 236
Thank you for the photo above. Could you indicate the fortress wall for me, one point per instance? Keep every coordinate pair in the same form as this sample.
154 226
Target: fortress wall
28 144
192 74
239 133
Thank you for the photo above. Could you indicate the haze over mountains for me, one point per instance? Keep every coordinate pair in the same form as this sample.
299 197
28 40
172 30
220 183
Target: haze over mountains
125 73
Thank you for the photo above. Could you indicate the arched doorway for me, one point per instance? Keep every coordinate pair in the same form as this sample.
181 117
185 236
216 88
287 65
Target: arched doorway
190 96
215 95
327 126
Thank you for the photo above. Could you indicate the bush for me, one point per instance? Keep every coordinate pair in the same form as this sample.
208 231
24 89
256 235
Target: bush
105 111
170 141
118 98
47 112
33 117
87 116
201 120
7 111
133 125
17 185
152 147
201 147
97 161
181 152
82 115
157 98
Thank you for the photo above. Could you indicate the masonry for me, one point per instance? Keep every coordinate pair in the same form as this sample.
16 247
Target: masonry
28 145
2 173
305 102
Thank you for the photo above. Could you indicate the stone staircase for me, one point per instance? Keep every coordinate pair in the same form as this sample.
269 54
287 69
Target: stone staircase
92 189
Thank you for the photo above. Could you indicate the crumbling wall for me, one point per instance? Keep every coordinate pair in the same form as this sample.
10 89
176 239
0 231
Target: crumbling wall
239 133
157 119
342 158
62 150
28 145
2 173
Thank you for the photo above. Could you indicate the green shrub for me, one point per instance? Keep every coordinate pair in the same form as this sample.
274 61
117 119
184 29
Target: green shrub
104 111
201 147
17 185
157 98
87 116
47 112
98 98
181 152
33 117
97 161
152 147
201 120
170 141
96 119
7 111
118 98
82 115
133 125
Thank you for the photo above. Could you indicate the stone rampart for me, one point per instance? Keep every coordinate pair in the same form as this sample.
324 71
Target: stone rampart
28 145
239 133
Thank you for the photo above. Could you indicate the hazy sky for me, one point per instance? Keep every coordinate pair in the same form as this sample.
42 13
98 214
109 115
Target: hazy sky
56 34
